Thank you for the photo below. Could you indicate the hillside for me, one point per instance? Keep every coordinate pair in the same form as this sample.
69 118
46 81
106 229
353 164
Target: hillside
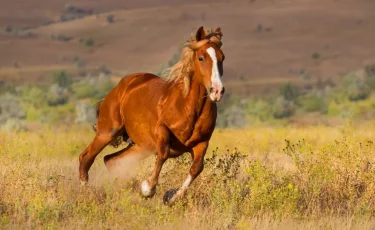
264 41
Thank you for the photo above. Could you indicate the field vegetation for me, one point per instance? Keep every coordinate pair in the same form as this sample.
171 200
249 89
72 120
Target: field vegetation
313 177
264 169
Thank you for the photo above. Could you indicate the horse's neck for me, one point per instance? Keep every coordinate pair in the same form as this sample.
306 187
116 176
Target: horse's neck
196 96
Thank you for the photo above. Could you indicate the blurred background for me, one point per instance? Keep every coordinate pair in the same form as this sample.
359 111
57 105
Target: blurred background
296 62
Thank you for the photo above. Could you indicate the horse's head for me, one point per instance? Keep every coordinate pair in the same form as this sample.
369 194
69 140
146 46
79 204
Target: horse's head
209 60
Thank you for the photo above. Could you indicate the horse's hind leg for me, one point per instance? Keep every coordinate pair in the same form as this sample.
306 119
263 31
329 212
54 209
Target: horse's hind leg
87 157
108 126
132 151
125 160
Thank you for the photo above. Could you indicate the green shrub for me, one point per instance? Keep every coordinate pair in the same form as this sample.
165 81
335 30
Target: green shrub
103 88
62 78
261 109
11 108
315 55
84 91
314 103
7 88
283 108
57 96
333 109
36 96
354 87
110 18
33 114
289 91
63 113
87 41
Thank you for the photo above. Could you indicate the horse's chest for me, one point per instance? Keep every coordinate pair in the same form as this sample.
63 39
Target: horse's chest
196 129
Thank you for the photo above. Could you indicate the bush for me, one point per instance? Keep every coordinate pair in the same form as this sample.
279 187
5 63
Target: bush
10 107
233 116
103 88
85 113
96 88
62 78
289 91
370 70
314 103
36 96
315 55
354 87
110 18
7 88
79 63
61 37
260 109
33 114
87 41
283 108
13 124
57 95
69 7
103 69
84 91
62 113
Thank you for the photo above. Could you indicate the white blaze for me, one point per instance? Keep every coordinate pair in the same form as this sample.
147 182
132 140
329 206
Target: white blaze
215 75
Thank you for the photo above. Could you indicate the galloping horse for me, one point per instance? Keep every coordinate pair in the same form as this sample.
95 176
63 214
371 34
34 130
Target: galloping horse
163 116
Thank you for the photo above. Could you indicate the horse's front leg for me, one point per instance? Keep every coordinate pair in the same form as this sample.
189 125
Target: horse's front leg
148 186
196 168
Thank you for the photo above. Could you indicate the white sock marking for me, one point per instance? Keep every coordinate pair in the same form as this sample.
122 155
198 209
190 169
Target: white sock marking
187 182
146 190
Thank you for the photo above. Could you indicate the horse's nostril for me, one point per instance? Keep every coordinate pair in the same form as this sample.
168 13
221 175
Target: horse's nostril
212 89
222 91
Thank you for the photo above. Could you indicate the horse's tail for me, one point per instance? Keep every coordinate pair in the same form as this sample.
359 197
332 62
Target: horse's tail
117 140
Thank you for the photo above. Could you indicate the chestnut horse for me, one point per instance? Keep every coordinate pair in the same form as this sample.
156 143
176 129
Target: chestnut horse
163 116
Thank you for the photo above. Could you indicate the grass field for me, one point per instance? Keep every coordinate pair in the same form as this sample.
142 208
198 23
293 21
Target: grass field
313 177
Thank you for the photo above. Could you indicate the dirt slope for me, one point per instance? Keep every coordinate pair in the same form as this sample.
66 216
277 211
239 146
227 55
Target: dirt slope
264 41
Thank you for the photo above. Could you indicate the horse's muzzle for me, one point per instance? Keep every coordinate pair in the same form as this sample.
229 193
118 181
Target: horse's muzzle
216 92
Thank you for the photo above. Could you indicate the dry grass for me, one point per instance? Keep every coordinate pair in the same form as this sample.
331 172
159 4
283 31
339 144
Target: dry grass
322 179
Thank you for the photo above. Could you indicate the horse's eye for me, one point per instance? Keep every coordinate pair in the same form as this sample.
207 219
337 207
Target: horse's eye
200 58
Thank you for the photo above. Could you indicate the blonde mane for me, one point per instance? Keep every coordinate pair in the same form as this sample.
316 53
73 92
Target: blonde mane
184 69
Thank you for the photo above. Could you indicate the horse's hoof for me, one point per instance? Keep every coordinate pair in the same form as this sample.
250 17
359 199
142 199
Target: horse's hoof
83 183
168 195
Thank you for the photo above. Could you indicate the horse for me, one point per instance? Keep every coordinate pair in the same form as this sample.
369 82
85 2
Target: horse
163 116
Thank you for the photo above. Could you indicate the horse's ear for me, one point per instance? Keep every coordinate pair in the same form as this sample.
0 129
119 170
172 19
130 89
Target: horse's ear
200 34
218 30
